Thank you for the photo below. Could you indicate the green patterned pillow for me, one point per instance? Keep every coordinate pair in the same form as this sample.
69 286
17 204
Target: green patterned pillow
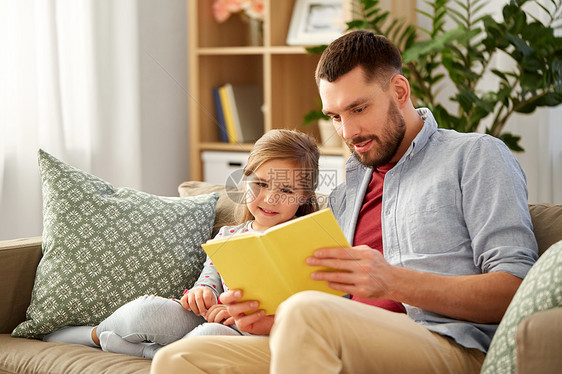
104 246
540 290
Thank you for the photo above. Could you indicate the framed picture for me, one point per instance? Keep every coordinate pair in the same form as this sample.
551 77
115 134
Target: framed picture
316 22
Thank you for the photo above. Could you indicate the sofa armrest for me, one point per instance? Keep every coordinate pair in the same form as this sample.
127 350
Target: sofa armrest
18 262
539 338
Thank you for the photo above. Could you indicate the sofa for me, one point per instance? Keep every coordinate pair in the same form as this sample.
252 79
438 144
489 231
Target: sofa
540 345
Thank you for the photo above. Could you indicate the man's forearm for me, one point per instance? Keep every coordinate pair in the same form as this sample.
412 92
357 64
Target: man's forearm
481 298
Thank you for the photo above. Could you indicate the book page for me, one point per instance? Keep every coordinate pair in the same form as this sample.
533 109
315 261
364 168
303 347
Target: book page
293 243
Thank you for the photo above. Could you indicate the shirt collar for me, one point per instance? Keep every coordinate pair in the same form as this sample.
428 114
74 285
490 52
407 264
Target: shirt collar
428 129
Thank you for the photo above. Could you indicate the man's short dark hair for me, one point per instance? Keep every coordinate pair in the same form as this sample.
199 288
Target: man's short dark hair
378 56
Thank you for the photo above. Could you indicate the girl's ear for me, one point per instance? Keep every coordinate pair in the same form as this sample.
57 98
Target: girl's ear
401 90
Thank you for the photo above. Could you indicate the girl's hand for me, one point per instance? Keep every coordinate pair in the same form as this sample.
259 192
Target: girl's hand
245 314
218 313
199 300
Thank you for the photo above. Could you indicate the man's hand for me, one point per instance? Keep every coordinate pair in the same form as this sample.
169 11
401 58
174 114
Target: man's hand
360 271
199 300
246 314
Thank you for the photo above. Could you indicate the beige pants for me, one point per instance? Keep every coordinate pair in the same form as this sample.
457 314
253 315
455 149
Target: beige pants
320 333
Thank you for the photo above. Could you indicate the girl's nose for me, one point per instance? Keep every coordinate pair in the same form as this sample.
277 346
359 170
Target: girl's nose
271 196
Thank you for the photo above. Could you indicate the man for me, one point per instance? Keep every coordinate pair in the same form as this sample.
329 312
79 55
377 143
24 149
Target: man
439 222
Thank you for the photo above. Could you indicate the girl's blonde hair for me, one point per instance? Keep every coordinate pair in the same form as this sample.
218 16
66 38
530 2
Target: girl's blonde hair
287 145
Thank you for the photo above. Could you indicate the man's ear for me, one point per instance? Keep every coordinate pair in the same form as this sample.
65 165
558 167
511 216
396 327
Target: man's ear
401 90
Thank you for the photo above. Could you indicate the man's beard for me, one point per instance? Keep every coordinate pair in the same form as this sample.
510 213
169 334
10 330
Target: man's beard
385 147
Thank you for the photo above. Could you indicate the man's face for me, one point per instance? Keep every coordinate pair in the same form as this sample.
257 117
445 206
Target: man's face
365 116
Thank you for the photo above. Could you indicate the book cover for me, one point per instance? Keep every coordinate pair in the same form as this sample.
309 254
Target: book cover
271 266
223 135
228 117
246 101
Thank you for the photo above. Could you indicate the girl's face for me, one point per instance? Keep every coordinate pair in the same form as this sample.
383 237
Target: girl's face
275 191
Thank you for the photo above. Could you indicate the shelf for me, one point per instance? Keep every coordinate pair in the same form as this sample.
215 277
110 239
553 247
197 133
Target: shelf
217 146
218 51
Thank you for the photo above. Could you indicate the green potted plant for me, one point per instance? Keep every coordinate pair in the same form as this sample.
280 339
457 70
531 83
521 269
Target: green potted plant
461 55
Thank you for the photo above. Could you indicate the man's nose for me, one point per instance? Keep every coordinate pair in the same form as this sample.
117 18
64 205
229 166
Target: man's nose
347 129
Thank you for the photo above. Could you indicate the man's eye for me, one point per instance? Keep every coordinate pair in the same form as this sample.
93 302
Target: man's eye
286 190
335 118
261 184
359 110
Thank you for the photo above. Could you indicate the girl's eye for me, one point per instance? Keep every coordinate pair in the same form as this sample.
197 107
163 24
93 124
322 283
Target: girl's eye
261 184
286 190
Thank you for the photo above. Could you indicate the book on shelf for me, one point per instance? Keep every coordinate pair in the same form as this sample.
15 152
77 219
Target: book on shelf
228 117
245 102
271 266
221 125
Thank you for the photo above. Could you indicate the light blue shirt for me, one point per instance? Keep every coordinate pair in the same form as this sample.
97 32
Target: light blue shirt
454 204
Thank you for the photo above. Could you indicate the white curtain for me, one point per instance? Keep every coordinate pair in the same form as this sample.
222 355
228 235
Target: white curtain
70 85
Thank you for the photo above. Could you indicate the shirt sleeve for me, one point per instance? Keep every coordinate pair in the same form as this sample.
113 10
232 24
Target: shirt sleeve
496 210
209 276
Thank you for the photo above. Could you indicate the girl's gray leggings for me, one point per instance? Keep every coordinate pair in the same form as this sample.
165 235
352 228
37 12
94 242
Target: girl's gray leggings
151 318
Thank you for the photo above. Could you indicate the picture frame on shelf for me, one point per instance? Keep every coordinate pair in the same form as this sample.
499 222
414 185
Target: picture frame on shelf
316 22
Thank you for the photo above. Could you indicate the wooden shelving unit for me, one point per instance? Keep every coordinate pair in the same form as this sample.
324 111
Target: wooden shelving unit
219 54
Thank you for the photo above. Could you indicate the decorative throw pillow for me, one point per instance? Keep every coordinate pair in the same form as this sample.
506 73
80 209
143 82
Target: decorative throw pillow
540 290
104 246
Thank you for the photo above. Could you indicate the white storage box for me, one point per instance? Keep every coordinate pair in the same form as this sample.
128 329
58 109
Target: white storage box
218 165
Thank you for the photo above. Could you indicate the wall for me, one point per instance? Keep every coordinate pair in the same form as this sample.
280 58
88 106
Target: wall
163 95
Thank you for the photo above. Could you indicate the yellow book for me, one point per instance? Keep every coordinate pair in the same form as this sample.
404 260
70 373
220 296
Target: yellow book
271 266
228 115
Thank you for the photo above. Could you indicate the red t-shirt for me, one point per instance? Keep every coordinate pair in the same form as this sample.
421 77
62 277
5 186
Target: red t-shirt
369 230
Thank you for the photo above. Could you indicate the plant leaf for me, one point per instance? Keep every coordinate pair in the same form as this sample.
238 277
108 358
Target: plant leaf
512 141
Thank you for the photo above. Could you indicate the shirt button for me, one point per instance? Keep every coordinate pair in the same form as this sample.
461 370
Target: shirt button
388 212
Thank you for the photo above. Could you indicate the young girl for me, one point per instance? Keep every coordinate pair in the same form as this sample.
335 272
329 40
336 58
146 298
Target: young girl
280 180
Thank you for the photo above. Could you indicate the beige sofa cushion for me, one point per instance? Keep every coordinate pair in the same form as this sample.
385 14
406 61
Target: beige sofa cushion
225 207
18 263
539 338
20 355
547 224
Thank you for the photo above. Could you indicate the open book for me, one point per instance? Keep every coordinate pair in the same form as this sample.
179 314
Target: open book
271 266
